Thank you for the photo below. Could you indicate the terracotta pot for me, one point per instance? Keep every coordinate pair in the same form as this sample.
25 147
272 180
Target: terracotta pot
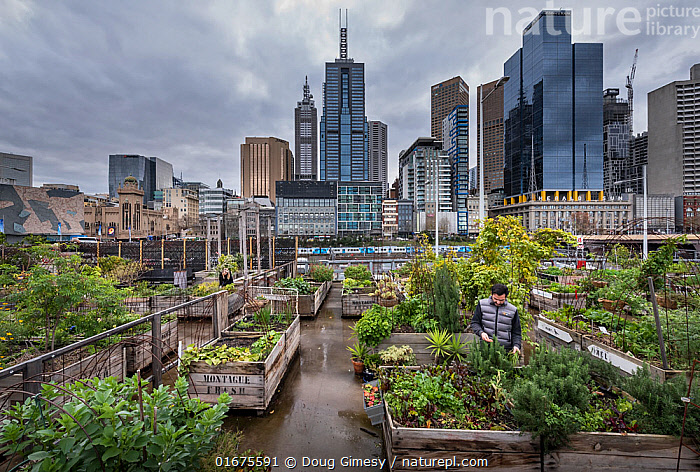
388 302
599 283
359 366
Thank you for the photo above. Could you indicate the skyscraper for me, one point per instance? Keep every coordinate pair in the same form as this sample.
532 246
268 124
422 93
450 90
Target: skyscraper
443 98
616 142
264 161
378 153
493 137
152 174
305 136
553 112
455 140
344 127
674 137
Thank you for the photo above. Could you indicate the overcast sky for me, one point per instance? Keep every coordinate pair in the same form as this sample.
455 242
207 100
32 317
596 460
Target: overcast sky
188 81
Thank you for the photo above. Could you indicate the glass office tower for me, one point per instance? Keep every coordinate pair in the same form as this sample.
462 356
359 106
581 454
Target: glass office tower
553 111
344 126
455 140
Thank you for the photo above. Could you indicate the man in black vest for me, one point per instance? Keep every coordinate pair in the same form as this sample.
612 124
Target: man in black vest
495 317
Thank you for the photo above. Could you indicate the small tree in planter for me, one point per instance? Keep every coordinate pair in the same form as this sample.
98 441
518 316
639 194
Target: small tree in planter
446 300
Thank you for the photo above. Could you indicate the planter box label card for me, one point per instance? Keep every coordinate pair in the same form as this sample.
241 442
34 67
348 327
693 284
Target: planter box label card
542 293
557 333
612 358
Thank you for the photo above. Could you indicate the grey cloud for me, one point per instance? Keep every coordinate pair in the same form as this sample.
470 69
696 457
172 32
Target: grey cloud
187 81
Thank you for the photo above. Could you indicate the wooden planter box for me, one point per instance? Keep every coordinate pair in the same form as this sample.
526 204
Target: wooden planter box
626 364
513 451
556 335
419 344
354 304
139 349
551 301
309 305
250 384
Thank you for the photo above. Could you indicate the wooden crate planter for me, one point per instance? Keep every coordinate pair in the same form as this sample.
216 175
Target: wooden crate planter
139 349
250 384
356 303
551 301
626 364
513 451
556 335
419 344
309 305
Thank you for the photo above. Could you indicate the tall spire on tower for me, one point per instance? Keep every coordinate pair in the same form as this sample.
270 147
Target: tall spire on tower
343 34
307 90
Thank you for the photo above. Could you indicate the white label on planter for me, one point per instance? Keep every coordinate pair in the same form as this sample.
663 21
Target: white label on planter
227 380
603 330
614 359
542 293
557 333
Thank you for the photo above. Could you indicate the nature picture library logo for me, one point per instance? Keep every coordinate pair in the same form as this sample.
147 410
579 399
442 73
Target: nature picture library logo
658 20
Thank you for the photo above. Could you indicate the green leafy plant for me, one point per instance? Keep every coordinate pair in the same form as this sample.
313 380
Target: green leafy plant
298 283
489 358
374 326
118 426
206 288
358 272
397 355
227 262
321 273
438 343
359 351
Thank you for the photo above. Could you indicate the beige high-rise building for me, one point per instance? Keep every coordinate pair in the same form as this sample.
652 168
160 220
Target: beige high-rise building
493 137
265 161
443 98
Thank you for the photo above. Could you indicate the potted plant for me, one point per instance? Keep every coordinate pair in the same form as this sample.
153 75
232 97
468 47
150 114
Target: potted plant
359 352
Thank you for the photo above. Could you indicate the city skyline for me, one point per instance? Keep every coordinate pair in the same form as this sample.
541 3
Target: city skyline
188 83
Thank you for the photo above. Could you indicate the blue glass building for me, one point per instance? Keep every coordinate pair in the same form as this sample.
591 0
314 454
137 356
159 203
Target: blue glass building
455 136
553 113
344 126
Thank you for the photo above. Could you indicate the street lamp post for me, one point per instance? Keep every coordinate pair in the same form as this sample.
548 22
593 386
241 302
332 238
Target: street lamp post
500 82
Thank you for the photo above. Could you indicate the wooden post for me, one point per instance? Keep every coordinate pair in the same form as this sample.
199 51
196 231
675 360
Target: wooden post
162 254
98 249
228 246
273 251
250 244
120 249
659 333
140 251
296 251
184 254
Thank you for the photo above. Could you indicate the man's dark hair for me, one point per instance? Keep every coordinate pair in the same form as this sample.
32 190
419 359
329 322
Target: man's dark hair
499 289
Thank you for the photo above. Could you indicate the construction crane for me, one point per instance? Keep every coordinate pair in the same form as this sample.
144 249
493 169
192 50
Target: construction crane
630 91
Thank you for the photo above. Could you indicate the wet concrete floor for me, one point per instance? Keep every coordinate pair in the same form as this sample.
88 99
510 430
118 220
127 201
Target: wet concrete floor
318 411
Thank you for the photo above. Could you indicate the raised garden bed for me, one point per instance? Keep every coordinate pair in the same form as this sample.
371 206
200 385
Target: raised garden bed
250 384
627 364
419 343
357 301
516 451
309 305
556 335
544 300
